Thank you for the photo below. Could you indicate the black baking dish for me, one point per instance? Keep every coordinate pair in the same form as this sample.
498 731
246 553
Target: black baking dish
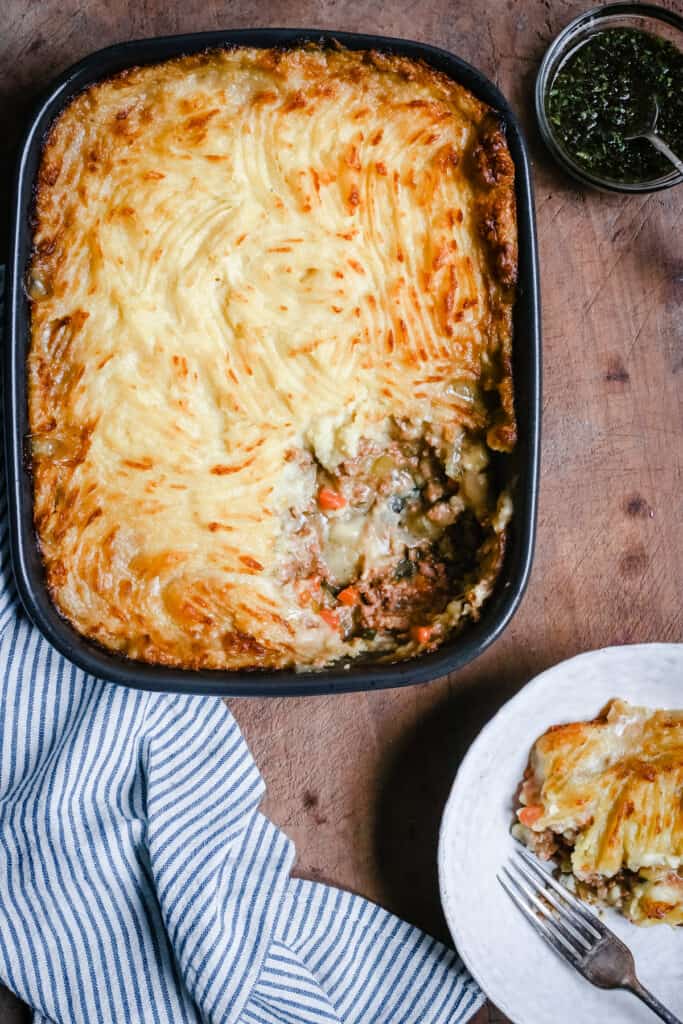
523 466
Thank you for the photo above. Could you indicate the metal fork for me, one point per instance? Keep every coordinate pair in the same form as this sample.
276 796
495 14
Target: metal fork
573 931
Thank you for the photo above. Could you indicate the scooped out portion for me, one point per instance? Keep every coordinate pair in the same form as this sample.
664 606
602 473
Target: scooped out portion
400 543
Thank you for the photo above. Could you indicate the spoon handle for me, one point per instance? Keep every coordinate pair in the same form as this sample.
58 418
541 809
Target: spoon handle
661 145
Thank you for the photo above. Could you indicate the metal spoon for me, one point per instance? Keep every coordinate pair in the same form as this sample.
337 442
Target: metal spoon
645 129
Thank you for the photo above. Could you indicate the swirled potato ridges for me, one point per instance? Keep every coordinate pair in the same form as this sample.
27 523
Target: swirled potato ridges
270 362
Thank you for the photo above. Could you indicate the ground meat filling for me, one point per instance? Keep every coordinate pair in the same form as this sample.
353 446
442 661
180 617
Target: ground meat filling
391 537
396 604
619 890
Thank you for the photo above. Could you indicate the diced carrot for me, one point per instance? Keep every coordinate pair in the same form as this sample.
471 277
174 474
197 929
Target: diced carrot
329 499
422 634
330 617
348 596
530 815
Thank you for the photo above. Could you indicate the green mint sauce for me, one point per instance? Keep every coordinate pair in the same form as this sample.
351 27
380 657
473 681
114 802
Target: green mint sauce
595 96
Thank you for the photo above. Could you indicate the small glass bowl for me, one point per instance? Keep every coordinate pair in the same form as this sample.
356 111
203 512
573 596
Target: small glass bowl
648 18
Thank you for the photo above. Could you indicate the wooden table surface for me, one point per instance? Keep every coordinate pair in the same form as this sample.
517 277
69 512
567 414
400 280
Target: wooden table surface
359 781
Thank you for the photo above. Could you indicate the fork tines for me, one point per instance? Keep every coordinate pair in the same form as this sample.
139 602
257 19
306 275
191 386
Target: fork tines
550 908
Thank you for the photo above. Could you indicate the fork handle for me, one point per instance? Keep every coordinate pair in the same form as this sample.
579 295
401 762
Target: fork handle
654 1003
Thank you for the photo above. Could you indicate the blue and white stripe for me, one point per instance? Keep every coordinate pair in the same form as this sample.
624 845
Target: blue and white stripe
140 883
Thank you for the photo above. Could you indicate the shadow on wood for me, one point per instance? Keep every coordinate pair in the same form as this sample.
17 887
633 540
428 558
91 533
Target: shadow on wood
11 1010
415 786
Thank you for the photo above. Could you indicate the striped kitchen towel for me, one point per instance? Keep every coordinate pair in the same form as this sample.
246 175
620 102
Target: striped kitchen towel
140 883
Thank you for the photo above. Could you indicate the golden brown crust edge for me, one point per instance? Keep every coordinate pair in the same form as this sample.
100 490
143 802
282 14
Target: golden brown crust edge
494 172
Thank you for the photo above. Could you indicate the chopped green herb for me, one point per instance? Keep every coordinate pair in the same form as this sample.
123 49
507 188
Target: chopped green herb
404 570
596 96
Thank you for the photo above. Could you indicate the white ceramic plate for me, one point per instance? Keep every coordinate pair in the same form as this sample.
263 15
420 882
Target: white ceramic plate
521 974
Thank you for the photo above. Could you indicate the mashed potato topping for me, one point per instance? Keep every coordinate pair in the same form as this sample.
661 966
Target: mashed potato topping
271 357
606 798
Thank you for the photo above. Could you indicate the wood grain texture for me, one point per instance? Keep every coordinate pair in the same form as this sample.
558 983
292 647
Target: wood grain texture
359 781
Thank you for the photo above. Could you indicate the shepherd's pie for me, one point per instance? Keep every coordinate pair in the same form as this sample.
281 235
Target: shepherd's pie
270 366
606 798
